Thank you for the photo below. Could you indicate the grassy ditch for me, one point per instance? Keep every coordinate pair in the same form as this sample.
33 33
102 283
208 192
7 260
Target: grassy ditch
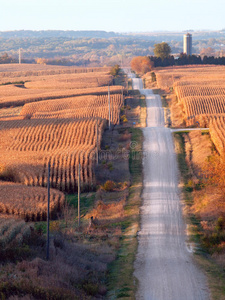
122 284
214 272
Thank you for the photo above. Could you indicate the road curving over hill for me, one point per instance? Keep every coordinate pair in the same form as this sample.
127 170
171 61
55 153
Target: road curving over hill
164 264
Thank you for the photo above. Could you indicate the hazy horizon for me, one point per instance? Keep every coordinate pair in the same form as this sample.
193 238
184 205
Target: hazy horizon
113 15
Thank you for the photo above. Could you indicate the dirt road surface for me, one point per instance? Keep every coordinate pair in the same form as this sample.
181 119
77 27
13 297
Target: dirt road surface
164 264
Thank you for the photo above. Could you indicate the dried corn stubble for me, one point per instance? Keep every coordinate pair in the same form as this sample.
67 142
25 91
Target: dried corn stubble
68 81
37 95
28 145
28 203
77 107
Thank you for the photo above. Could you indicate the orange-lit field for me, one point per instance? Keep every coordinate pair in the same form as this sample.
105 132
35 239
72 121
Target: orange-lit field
28 145
200 91
28 203
76 107
51 115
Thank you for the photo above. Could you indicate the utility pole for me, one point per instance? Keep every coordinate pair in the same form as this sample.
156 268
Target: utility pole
122 96
97 142
79 195
109 107
19 55
47 250
112 111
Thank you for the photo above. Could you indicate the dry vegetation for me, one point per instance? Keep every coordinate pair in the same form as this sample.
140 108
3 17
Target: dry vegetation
51 128
29 203
217 132
27 72
196 99
27 146
199 90
77 107
28 95
13 231
70 81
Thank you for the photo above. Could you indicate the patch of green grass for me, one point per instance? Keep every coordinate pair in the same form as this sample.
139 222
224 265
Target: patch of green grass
87 202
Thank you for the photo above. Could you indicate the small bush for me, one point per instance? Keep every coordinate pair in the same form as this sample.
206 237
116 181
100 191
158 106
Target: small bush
124 118
115 70
109 186
153 76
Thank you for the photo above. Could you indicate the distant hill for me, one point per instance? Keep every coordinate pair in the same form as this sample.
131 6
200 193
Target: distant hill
97 47
57 34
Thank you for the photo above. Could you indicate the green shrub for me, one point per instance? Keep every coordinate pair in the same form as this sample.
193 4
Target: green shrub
115 70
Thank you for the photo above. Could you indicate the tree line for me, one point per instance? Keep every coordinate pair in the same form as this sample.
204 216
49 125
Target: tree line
185 59
162 58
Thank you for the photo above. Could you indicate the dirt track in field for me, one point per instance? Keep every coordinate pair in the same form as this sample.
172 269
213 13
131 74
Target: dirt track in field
164 264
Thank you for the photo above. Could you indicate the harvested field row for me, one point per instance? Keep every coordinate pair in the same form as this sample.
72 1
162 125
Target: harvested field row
169 76
24 72
13 231
40 95
83 112
209 90
77 107
205 105
74 81
28 203
28 145
217 132
200 82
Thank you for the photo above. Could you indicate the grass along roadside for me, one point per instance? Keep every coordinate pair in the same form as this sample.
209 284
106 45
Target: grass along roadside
143 111
122 283
214 273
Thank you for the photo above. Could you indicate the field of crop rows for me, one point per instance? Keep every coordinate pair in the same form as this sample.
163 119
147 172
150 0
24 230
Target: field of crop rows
53 115
13 231
200 91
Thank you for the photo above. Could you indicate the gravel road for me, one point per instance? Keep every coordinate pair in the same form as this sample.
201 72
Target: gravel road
164 263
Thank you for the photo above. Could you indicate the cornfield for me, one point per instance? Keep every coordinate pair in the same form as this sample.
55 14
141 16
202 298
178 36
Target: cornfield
70 81
13 231
17 96
29 203
203 105
27 146
217 132
198 90
32 72
50 115
77 107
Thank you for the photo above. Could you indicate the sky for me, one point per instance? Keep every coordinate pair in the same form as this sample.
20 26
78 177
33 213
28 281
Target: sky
112 15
